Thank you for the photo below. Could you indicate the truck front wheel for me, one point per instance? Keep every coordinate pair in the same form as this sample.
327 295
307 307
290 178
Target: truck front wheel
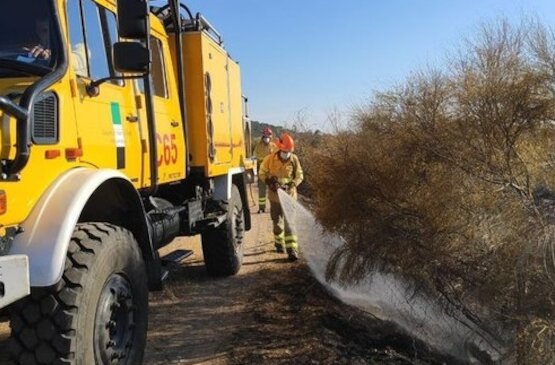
96 314
223 246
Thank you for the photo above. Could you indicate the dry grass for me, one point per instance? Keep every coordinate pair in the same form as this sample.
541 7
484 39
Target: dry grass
448 181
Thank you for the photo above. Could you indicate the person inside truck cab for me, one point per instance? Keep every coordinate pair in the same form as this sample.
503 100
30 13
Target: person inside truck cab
41 50
26 35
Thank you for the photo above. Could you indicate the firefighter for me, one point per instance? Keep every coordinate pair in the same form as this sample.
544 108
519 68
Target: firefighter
263 148
282 170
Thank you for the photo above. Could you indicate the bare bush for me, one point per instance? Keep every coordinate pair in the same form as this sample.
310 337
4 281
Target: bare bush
448 181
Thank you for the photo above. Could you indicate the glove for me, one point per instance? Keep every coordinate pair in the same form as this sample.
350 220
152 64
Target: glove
287 187
272 183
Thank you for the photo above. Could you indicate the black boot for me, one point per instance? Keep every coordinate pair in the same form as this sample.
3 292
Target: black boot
292 254
279 248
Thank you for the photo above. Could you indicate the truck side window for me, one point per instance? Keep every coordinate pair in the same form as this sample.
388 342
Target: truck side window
93 32
110 26
77 39
96 47
159 83
158 70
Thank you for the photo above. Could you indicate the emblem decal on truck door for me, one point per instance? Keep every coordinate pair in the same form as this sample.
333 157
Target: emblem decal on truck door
118 135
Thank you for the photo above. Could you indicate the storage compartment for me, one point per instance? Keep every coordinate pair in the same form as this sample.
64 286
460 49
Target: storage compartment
214 104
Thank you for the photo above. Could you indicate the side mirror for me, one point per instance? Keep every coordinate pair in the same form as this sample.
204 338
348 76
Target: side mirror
132 19
131 57
128 57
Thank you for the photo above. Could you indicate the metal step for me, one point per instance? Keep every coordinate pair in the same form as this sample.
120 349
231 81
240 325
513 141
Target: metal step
176 256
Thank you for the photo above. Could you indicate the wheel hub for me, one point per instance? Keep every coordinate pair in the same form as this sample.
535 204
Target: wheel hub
115 321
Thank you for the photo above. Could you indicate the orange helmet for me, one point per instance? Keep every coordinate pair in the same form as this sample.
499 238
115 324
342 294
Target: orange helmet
286 143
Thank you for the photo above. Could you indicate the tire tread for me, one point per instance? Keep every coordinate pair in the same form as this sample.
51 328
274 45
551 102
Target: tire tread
51 338
218 247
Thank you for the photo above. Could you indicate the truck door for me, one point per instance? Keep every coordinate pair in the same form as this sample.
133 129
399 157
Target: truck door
108 123
170 138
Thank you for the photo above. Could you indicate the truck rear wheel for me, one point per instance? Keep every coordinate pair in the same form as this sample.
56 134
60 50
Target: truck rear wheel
223 246
96 314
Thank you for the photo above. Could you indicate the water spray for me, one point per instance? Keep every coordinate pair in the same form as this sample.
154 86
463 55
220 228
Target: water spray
389 298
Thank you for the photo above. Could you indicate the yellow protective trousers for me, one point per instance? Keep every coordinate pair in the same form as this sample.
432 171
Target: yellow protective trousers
284 230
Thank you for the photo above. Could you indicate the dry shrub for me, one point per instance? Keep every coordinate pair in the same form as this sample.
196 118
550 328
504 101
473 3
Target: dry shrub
448 181
306 144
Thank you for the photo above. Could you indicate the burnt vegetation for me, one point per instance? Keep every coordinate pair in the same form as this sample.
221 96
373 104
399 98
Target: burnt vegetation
449 182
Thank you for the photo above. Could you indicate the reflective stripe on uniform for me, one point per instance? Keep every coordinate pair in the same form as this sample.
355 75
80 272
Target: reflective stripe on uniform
291 242
280 239
261 200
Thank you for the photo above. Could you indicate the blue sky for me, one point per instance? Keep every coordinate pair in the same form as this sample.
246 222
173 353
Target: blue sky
321 55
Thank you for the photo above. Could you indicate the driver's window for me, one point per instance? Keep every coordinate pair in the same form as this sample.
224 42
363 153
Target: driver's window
77 40
111 36
96 48
91 46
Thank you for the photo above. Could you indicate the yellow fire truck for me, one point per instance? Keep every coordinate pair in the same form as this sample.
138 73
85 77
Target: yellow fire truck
122 127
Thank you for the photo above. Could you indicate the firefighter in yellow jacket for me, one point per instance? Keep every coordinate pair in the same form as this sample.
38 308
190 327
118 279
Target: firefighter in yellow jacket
263 148
282 170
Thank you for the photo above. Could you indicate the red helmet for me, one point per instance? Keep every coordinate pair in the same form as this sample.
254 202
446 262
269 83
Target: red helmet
286 143
267 132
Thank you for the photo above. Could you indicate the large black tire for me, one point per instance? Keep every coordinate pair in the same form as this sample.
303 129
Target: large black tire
223 246
98 311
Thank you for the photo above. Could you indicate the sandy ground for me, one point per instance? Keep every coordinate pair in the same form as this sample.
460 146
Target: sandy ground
272 312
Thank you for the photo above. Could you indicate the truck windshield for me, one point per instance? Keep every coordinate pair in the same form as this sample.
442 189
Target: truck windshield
27 39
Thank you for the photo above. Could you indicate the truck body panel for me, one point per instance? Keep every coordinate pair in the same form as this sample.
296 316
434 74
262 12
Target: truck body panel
171 148
214 105
24 193
46 232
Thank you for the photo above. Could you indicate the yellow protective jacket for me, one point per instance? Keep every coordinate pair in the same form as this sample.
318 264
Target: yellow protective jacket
261 150
285 171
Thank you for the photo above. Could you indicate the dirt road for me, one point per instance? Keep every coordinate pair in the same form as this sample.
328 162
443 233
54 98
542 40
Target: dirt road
272 312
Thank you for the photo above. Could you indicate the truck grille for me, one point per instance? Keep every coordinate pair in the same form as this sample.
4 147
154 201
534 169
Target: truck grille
45 119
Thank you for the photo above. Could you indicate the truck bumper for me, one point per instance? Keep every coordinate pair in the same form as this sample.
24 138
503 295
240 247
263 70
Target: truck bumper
14 278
